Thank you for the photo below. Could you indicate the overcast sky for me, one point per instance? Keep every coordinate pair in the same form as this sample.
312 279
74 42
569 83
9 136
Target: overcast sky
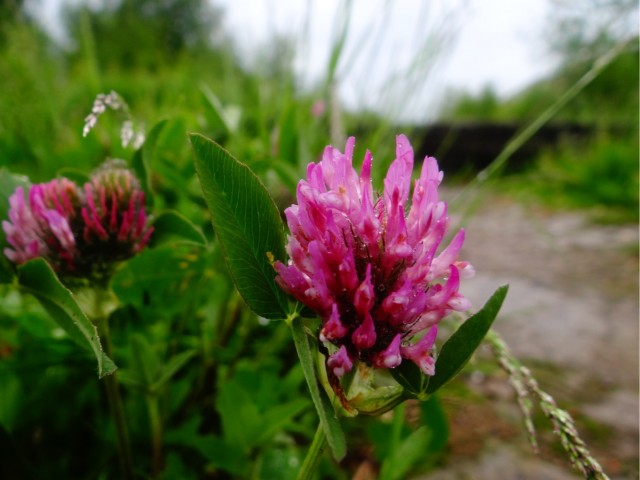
464 44
401 56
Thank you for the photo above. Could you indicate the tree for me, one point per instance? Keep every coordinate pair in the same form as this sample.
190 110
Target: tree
145 33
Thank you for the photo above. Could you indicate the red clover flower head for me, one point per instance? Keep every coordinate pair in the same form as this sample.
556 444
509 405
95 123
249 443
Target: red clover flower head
371 272
114 212
40 224
81 232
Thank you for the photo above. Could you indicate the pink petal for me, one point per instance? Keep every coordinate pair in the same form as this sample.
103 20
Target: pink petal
399 173
420 352
389 357
333 328
339 362
365 335
365 295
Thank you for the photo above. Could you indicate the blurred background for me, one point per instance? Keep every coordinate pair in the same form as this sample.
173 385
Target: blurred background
473 72
555 214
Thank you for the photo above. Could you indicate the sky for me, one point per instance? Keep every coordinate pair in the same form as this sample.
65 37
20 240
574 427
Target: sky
454 44
402 57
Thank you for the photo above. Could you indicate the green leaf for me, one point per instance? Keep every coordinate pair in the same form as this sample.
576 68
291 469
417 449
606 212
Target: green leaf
172 225
326 413
220 117
147 373
434 416
275 419
412 449
172 367
457 351
247 223
38 278
161 281
411 378
216 450
239 415
144 159
145 361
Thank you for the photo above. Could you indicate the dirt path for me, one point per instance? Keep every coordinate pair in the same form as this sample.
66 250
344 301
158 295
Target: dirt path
572 316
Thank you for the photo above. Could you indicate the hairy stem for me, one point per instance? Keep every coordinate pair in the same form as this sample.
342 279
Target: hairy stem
156 434
313 455
112 389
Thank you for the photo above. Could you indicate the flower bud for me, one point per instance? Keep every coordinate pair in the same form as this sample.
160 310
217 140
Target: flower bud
114 222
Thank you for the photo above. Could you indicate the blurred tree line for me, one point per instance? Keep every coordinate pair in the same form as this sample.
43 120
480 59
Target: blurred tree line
175 59
599 172
577 33
167 59
133 34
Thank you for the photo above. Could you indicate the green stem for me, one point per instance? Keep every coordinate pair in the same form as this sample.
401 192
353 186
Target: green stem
308 467
112 390
156 434
396 427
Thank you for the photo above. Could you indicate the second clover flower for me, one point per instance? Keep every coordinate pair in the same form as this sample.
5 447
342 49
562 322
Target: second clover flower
84 232
371 273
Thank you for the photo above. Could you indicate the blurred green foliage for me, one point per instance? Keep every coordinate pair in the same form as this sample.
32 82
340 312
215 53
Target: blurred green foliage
220 386
600 175
610 100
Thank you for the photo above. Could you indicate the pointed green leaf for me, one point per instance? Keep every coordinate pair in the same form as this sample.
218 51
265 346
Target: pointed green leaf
144 360
434 416
326 413
38 278
171 225
411 450
276 418
457 351
409 375
239 415
247 223
172 367
144 157
220 117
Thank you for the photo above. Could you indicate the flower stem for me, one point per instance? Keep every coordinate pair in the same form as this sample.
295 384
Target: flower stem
117 415
156 434
112 390
313 455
